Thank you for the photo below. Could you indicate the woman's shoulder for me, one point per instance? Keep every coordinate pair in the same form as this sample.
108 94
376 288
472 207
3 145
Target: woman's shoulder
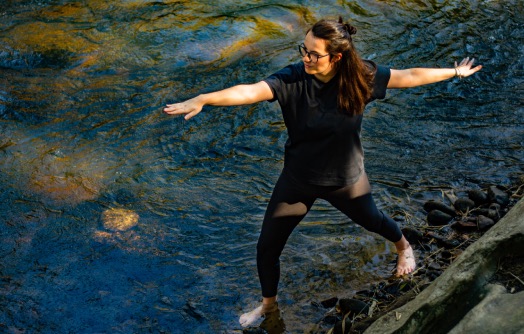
291 73
376 70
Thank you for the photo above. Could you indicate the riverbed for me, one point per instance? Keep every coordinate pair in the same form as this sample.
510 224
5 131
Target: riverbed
117 218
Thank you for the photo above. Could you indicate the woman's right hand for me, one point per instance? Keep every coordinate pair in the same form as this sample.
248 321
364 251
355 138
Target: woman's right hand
190 108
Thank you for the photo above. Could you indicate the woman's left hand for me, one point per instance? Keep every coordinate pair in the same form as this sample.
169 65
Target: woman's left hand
465 68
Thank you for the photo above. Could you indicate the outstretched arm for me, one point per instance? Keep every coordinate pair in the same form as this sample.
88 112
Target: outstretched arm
414 77
233 96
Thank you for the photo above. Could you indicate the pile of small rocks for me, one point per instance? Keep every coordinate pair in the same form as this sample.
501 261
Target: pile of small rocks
480 210
450 229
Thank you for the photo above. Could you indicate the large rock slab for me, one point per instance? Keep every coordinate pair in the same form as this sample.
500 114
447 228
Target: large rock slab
450 302
497 313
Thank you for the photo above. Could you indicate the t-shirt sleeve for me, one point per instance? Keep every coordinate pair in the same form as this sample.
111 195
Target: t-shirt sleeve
279 82
380 83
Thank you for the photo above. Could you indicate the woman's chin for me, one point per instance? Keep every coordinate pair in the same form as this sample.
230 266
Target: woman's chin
309 70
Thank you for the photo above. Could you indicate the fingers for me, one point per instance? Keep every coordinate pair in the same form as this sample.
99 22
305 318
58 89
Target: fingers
190 115
182 108
467 62
464 61
466 67
175 109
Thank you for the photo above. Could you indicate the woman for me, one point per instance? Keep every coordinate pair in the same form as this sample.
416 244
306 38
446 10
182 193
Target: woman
322 101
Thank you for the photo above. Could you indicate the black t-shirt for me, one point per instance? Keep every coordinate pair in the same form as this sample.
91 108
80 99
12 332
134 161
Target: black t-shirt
324 145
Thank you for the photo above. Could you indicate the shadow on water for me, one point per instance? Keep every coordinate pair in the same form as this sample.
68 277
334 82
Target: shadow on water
120 219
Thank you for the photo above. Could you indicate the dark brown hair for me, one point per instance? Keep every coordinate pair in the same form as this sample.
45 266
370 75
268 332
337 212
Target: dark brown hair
354 77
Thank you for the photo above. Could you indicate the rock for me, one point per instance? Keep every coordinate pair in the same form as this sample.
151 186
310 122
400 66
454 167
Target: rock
438 218
433 274
434 266
354 306
465 225
329 303
443 241
437 205
464 204
445 230
484 223
498 312
192 310
498 196
273 322
446 255
398 286
330 319
441 307
478 196
414 236
495 206
492 214
117 219
343 329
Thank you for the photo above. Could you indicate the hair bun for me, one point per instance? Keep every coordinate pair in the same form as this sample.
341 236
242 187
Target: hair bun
347 27
350 29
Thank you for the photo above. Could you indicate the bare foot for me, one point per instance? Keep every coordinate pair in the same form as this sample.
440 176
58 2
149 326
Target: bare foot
406 261
250 318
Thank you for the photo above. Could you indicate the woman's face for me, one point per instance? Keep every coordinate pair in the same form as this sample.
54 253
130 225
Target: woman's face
324 68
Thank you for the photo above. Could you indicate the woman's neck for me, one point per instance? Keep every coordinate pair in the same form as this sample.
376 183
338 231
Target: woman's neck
327 75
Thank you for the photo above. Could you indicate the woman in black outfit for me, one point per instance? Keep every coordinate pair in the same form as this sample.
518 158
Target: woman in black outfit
322 100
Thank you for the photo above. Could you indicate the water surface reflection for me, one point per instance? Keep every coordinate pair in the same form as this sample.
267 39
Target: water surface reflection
81 133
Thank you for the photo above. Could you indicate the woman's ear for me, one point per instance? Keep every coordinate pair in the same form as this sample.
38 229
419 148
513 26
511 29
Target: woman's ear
336 57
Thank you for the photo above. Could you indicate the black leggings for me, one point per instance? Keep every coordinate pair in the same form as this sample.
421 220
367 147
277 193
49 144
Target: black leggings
290 203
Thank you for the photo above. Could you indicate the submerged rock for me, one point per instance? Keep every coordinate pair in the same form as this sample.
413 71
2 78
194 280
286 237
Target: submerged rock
119 219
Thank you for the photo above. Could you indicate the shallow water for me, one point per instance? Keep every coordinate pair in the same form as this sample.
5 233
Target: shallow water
82 85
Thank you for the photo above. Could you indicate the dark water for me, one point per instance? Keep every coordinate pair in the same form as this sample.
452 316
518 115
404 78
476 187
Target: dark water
82 85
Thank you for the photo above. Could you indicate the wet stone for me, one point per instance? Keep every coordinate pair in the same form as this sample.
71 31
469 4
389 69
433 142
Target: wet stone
438 218
434 266
492 214
484 223
478 196
437 205
412 235
496 195
443 241
446 254
329 303
353 306
330 319
464 204
343 329
465 225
